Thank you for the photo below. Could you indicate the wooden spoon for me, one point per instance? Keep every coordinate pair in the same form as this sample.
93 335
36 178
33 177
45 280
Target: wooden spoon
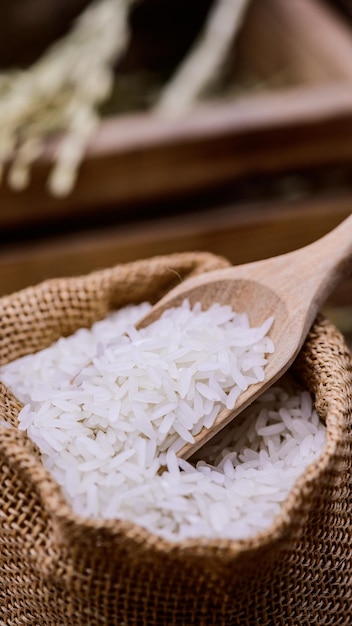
291 287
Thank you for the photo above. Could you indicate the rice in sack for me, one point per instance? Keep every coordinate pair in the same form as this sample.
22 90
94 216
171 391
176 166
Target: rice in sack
106 431
123 573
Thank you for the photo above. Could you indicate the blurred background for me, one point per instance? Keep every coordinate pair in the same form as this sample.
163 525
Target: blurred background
132 128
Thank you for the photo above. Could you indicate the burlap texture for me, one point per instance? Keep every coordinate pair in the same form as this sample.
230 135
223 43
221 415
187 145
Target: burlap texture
60 570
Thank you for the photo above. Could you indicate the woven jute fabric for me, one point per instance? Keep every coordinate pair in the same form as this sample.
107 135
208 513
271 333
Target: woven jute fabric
61 570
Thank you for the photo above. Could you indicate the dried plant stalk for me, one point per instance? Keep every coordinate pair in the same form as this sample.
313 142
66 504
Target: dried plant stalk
60 93
203 64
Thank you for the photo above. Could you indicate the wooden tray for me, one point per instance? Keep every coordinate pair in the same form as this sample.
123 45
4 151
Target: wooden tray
302 120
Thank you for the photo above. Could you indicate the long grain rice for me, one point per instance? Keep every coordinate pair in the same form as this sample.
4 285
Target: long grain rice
105 429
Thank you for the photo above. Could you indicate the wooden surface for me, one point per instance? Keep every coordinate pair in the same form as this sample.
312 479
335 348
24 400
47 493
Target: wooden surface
242 233
140 158
299 42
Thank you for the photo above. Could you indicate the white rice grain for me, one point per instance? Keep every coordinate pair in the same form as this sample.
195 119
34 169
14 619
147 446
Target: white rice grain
105 429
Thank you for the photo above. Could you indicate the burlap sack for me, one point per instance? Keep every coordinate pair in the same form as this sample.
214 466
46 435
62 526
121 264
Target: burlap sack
59 570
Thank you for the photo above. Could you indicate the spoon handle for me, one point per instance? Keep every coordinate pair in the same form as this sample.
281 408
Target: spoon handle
321 265
306 277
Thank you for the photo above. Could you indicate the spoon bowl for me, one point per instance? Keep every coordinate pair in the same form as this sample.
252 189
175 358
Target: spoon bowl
290 287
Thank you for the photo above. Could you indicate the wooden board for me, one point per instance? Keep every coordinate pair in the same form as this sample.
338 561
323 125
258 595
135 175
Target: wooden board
241 233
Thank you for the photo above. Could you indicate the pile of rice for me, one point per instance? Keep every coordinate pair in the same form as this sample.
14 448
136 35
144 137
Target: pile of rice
109 406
